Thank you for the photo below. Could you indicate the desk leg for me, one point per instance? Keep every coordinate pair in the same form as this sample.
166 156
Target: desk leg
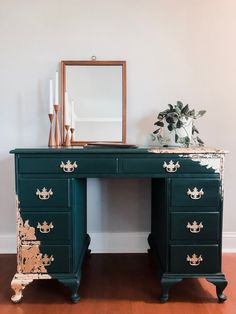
220 282
166 284
73 284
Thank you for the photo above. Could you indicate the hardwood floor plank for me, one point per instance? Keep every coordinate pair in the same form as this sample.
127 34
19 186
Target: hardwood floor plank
118 284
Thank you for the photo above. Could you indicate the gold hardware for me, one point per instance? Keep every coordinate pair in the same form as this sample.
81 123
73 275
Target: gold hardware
47 260
194 260
68 167
195 194
44 194
45 227
171 167
194 227
32 261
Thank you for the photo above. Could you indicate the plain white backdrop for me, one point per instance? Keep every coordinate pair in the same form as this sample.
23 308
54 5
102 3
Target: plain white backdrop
175 50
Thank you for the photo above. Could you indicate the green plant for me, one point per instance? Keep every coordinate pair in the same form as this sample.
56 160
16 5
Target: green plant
175 118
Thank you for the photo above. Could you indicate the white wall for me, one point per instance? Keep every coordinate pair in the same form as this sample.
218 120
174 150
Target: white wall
175 50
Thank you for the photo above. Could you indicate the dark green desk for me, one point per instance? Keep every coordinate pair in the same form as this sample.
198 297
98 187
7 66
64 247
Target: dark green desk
187 199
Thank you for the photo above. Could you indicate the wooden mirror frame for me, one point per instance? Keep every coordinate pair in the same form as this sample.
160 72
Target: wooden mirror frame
65 63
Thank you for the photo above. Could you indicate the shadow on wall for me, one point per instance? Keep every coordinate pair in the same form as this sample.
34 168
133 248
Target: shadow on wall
146 127
7 195
119 205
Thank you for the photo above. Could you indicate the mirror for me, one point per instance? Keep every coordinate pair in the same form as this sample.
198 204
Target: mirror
94 100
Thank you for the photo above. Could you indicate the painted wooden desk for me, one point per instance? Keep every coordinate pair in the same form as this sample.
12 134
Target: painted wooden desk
187 204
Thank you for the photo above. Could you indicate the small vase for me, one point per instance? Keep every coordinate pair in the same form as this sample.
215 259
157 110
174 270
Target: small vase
170 137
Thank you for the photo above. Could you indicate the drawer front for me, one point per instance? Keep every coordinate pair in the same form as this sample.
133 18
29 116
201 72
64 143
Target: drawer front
46 258
49 226
67 165
194 259
195 192
195 226
161 165
44 193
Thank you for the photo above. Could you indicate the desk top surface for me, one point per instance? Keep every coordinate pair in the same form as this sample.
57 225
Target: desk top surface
109 150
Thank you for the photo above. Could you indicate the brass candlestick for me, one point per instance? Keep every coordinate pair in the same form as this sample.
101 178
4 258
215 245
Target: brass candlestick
51 139
72 130
67 139
57 128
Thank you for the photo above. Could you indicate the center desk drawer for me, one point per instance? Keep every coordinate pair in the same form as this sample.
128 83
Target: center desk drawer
161 165
67 165
44 193
47 226
195 192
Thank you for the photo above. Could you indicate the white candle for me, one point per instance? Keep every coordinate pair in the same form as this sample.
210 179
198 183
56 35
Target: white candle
72 113
50 97
56 90
66 108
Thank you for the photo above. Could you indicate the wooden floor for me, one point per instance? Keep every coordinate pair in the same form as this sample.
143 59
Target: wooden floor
115 284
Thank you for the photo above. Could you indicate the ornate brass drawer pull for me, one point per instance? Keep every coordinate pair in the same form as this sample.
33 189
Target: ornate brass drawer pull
45 227
44 194
68 166
46 260
171 167
194 260
195 194
194 227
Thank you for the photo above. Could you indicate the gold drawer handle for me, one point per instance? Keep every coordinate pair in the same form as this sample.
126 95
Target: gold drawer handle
46 260
195 194
171 167
194 260
44 194
45 227
68 166
194 227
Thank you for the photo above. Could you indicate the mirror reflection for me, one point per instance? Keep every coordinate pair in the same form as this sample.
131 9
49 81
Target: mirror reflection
94 100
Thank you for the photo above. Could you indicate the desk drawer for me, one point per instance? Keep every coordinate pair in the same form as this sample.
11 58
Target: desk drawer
44 193
45 258
67 165
194 259
195 226
195 192
160 165
48 227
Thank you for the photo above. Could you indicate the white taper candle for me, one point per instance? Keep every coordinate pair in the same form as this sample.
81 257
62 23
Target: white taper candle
56 90
50 97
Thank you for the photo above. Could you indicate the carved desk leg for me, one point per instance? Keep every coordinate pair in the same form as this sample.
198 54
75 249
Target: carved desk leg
17 285
166 284
220 283
73 284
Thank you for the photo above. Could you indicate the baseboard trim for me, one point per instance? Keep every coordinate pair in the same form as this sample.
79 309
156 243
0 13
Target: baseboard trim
116 242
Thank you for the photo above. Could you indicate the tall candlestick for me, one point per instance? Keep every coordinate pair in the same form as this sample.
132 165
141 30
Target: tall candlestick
56 90
50 97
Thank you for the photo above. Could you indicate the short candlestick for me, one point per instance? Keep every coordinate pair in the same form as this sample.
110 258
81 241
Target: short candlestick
67 139
57 128
51 139
72 131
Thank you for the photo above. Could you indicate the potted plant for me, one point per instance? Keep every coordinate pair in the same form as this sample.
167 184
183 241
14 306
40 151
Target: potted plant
175 126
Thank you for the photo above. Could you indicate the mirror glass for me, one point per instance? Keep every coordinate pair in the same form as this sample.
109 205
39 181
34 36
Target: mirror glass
93 97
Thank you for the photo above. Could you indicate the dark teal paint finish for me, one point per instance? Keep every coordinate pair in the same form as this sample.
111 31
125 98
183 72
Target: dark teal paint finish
209 264
210 187
60 221
172 208
28 188
210 230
